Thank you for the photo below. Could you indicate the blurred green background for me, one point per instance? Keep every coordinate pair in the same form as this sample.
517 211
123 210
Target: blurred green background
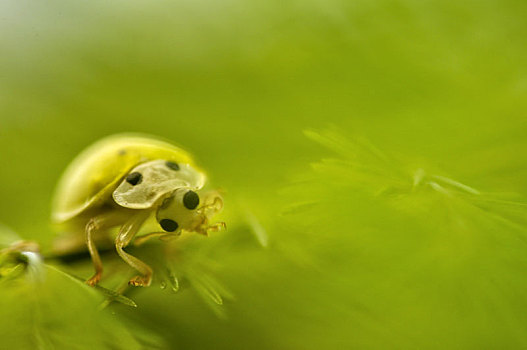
433 85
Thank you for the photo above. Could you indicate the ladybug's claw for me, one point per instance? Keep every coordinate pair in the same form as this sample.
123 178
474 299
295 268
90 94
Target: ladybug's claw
94 279
140 281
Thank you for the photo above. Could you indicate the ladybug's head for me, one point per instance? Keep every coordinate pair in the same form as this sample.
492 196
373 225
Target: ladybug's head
189 210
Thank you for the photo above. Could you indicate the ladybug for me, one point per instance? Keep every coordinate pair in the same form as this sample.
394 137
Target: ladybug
123 180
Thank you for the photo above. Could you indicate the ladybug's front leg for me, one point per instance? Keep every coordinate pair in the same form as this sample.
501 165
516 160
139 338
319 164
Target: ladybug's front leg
213 204
98 223
125 236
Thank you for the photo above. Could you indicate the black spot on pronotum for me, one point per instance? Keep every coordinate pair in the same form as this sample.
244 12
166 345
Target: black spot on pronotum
168 225
134 178
191 200
172 165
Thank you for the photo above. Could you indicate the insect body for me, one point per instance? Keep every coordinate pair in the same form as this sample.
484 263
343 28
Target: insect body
121 181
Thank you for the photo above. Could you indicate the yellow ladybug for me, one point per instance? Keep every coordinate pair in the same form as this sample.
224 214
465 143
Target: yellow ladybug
121 181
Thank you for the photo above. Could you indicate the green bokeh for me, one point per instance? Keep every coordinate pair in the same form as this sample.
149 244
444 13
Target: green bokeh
437 85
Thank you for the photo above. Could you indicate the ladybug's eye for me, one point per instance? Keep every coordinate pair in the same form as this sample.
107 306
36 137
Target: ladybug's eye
134 178
191 200
168 225
172 165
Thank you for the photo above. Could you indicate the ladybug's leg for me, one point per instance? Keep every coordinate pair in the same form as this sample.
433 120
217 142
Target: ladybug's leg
125 236
212 204
161 235
98 223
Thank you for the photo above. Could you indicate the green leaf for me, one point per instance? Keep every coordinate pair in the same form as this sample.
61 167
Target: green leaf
56 312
